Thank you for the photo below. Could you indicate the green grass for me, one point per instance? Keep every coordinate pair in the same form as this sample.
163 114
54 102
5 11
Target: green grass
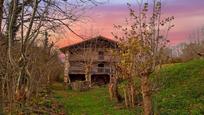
93 102
182 89
181 93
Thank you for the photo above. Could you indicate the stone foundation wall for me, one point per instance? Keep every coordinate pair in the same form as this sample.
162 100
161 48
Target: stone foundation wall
80 85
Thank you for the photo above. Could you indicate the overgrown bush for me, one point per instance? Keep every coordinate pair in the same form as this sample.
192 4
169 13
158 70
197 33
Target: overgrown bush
43 65
193 50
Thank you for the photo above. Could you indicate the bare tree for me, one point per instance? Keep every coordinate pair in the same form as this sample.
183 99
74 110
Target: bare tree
86 53
142 44
194 47
1 79
25 22
1 12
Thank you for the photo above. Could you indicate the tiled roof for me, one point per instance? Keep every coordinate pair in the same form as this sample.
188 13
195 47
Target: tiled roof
68 42
74 41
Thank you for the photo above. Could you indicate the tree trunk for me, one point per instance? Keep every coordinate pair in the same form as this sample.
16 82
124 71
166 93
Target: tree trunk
89 78
116 95
126 99
88 69
146 94
66 69
132 96
129 96
110 89
1 14
1 96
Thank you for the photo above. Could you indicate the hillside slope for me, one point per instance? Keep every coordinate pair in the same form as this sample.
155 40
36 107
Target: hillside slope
92 102
181 89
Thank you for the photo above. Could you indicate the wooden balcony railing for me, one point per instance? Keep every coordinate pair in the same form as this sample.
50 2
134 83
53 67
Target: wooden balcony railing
102 70
101 58
96 70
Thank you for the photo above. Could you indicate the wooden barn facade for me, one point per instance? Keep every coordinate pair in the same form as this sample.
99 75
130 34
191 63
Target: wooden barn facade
90 60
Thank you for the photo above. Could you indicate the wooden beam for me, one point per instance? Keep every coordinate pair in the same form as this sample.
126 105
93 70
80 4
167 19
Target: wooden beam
66 68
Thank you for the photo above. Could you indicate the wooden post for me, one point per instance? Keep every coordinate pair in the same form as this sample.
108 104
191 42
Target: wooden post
66 68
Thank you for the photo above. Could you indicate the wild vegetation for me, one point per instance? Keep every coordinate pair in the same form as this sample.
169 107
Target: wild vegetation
143 82
28 59
179 90
141 51
92 102
188 50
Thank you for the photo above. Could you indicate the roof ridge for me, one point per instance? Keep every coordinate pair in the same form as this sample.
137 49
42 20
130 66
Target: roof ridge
82 41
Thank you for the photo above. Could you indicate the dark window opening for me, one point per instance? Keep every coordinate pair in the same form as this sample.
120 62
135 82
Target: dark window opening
101 68
77 77
101 65
100 79
101 55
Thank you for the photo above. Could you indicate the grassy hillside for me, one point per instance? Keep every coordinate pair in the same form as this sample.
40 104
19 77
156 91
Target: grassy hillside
93 102
181 92
181 89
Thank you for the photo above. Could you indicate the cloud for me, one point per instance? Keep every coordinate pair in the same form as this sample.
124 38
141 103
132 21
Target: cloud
189 15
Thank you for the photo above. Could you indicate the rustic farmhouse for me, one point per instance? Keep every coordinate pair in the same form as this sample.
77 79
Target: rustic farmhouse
89 60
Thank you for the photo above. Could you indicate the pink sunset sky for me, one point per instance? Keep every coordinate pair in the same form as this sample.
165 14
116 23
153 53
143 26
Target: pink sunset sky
189 16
